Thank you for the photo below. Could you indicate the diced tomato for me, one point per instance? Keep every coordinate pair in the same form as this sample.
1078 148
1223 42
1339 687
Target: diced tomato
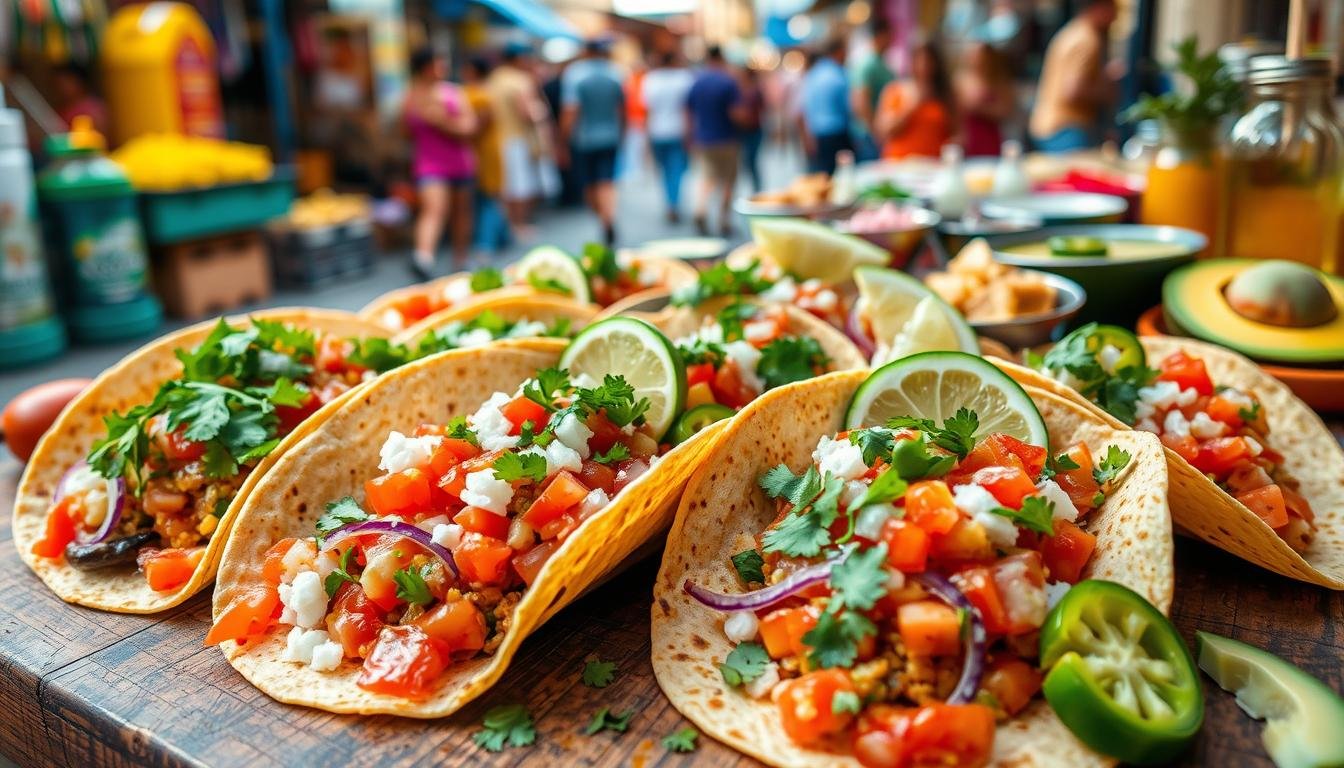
907 545
449 453
413 306
1188 373
333 355
929 628
1032 456
382 559
483 560
977 584
1298 506
1021 582
529 564
729 388
700 373
1224 409
562 493
60 530
1078 483
1012 682
273 567
1221 455
782 630
483 521
354 620
458 624
966 542
559 529
605 434
960 735
168 569
1185 446
398 493
248 613
928 504
522 409
1066 553
291 416
1008 485
596 475
990 452
806 709
176 447
1267 502
403 662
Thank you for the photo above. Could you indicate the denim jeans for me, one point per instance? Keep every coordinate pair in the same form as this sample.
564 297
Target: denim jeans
672 159
827 147
1067 139
751 156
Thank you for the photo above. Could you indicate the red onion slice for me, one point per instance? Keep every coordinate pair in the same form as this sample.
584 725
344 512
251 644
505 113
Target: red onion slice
761 598
974 667
392 528
114 489
854 330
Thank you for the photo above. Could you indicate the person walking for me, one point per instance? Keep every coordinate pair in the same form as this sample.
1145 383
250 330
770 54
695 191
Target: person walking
873 76
714 105
520 118
441 126
663 92
985 99
592 121
490 226
1075 87
752 127
824 118
914 116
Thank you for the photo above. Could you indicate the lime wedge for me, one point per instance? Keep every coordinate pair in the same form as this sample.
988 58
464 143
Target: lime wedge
933 385
812 250
550 269
906 317
635 350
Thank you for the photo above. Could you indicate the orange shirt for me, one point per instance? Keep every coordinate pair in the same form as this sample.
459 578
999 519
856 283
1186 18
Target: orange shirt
924 132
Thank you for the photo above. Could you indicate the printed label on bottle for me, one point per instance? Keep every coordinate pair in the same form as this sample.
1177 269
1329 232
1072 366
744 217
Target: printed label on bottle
25 296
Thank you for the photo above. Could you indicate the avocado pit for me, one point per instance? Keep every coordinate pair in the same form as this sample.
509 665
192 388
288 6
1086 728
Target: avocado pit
1281 293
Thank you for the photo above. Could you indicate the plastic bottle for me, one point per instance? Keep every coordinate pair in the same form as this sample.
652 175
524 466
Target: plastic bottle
950 195
29 328
94 226
1009 177
842 181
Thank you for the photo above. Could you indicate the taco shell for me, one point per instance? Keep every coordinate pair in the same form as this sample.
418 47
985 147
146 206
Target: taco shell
134 381
510 305
722 510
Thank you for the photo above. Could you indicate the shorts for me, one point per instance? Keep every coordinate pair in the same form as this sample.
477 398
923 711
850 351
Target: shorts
719 161
522 178
457 182
594 166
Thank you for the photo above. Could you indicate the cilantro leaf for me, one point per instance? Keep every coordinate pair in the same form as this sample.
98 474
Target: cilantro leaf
457 428
486 279
699 351
721 280
614 397
1249 414
1110 466
789 359
412 588
912 460
1037 514
217 461
506 725
380 355
846 702
745 663
1057 464
547 285
341 575
598 260
511 467
598 674
339 514
835 638
748 564
606 720
957 435
860 579
805 530
732 319
617 452
549 384
1078 355
875 443
885 488
779 482
681 741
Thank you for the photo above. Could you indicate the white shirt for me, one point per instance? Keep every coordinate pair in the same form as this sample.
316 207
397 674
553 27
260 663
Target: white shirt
664 92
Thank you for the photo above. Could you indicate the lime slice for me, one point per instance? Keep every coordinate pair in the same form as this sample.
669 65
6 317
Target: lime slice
1076 245
635 350
906 317
933 385
811 250
548 268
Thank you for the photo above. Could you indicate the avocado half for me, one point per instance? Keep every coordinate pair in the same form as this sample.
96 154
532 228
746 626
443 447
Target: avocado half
1193 301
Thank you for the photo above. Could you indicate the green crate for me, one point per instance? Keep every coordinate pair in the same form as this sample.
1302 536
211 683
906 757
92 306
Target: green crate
172 217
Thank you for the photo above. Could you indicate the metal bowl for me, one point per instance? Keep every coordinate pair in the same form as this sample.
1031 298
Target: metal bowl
699 252
901 242
752 209
1033 330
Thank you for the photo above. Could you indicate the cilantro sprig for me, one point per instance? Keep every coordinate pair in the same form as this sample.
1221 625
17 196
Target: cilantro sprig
513 466
506 725
1037 514
606 720
956 435
789 359
681 741
748 564
598 673
744 663
1078 354
722 280
411 586
1110 466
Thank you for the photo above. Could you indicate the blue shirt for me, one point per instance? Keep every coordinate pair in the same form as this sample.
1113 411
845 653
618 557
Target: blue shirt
824 98
710 101
593 88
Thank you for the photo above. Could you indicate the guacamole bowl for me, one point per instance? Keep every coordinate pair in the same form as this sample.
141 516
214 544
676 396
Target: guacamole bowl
1121 282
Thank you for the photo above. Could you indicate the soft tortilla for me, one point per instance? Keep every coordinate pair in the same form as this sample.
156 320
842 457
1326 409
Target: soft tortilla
337 457
537 307
1310 453
134 381
722 510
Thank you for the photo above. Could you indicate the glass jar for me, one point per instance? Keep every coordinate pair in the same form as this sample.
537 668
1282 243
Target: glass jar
1284 169
1183 181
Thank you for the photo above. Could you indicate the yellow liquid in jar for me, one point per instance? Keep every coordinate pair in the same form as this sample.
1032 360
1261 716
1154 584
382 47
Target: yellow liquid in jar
1282 221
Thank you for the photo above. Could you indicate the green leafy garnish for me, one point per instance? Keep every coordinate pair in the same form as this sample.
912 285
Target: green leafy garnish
486 279
605 720
779 482
806 529
549 384
1037 514
748 564
615 398
874 443
912 460
835 639
412 588
597 260
548 285
506 725
732 319
681 741
789 359
617 452
339 514
598 673
381 355
846 702
721 280
1077 354
1110 466
341 575
860 579
745 663
1249 414
512 467
957 434
1057 464
1192 112
457 428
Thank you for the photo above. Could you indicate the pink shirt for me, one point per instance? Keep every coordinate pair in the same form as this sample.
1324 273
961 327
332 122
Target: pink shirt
436 153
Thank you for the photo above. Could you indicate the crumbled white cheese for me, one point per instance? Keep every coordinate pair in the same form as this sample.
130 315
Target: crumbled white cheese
491 426
747 358
595 501
1064 508
980 504
783 291
1158 396
304 600
400 453
456 290
1054 592
840 458
392 319
558 456
429 523
327 656
447 535
1146 425
710 333
759 331
1254 446
487 492
761 687
574 433
525 328
1188 396
298 558
853 490
1175 424
870 521
300 644
1241 399
741 626
1026 603
825 300
1205 428
476 337
1108 357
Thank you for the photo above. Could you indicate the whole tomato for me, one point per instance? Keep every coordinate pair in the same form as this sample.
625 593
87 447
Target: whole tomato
28 416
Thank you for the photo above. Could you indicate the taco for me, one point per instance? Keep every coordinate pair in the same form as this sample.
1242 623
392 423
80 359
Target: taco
397 557
832 597
502 315
1253 469
127 501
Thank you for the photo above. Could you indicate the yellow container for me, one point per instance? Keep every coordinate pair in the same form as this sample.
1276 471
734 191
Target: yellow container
159 72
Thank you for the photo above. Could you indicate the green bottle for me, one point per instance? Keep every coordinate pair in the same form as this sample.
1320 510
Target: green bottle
93 224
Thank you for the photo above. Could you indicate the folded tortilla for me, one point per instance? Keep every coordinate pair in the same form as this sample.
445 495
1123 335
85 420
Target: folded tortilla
722 510
510 305
1311 454
335 458
133 381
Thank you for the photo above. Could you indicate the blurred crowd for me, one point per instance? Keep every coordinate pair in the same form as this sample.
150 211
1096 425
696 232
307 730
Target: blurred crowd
507 134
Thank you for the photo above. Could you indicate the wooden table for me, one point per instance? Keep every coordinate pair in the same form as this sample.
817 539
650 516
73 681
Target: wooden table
83 688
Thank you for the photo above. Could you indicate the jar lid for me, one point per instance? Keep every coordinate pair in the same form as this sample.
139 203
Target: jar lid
1281 69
